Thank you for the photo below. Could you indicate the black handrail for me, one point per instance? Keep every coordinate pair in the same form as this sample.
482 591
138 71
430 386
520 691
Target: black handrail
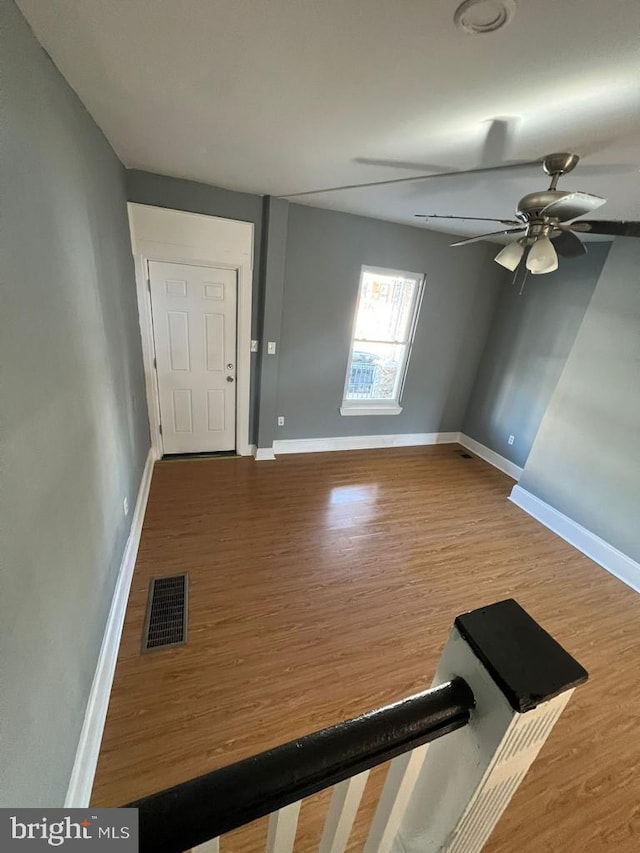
189 814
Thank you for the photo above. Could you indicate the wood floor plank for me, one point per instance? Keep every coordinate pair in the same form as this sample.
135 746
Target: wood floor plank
324 585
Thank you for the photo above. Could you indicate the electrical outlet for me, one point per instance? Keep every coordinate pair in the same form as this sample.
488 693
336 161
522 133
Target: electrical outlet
271 347
512 438
280 420
125 505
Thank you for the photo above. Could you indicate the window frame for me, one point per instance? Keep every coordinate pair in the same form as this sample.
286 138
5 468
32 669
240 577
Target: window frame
381 406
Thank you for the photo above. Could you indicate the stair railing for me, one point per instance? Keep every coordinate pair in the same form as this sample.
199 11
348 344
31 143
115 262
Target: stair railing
458 752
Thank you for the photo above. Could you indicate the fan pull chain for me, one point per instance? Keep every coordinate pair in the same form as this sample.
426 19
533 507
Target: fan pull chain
522 266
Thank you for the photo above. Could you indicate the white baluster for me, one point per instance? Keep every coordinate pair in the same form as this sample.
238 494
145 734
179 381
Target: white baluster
212 846
343 808
398 787
282 829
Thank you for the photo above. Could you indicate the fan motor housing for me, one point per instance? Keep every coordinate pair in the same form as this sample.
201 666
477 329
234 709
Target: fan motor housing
530 205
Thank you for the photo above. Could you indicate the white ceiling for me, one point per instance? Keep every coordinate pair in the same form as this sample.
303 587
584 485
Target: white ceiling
280 96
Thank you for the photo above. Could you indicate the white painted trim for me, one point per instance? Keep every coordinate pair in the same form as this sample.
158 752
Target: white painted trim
264 454
175 236
592 546
362 442
491 456
348 409
84 767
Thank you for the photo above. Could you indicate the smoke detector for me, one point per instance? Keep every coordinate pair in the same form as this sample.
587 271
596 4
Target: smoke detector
484 16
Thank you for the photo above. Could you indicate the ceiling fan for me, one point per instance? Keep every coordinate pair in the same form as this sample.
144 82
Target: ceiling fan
545 225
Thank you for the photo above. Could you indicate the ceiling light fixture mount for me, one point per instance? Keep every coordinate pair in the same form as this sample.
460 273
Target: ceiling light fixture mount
484 16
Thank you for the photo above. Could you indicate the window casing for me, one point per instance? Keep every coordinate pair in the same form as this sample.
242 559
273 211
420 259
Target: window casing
383 332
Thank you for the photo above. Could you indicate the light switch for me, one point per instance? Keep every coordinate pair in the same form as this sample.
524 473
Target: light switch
254 346
271 347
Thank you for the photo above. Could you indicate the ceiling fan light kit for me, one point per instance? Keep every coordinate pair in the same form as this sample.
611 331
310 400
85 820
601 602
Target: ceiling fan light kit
511 255
542 257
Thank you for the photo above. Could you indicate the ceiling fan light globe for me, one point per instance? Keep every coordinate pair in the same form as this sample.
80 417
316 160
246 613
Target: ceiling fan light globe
510 256
542 257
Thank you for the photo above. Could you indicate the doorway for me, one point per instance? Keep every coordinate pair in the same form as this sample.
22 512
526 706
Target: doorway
194 278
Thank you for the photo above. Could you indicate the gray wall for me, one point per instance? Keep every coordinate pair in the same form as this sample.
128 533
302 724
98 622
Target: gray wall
195 197
74 426
530 338
274 249
585 460
325 251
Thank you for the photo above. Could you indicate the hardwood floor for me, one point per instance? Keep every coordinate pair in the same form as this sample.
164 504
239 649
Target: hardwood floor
325 585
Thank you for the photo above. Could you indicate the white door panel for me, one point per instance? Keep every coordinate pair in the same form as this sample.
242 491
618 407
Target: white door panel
194 328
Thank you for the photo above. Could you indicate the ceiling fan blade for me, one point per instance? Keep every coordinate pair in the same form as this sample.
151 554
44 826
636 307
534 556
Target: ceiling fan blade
497 145
475 218
607 169
622 228
568 245
524 165
572 205
484 236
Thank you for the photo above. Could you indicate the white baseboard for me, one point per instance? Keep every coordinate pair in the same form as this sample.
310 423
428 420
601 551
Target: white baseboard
362 442
491 456
84 767
601 552
264 454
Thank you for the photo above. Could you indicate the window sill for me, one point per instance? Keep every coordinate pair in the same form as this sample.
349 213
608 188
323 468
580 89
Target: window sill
370 410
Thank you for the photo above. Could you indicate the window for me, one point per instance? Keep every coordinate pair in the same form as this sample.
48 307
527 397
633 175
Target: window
386 314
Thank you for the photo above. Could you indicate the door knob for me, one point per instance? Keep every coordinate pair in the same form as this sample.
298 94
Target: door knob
229 378
229 367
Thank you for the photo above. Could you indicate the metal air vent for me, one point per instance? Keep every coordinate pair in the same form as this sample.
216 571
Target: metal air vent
165 624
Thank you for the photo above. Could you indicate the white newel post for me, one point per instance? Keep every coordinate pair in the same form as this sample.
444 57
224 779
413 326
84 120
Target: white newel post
521 679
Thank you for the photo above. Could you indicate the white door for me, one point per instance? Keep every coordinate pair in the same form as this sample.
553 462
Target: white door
194 328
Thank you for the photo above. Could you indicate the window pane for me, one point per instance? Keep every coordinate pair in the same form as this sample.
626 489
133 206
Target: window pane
384 308
376 370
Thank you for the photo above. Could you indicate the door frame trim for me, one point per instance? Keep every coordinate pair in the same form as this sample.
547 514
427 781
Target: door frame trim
175 236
